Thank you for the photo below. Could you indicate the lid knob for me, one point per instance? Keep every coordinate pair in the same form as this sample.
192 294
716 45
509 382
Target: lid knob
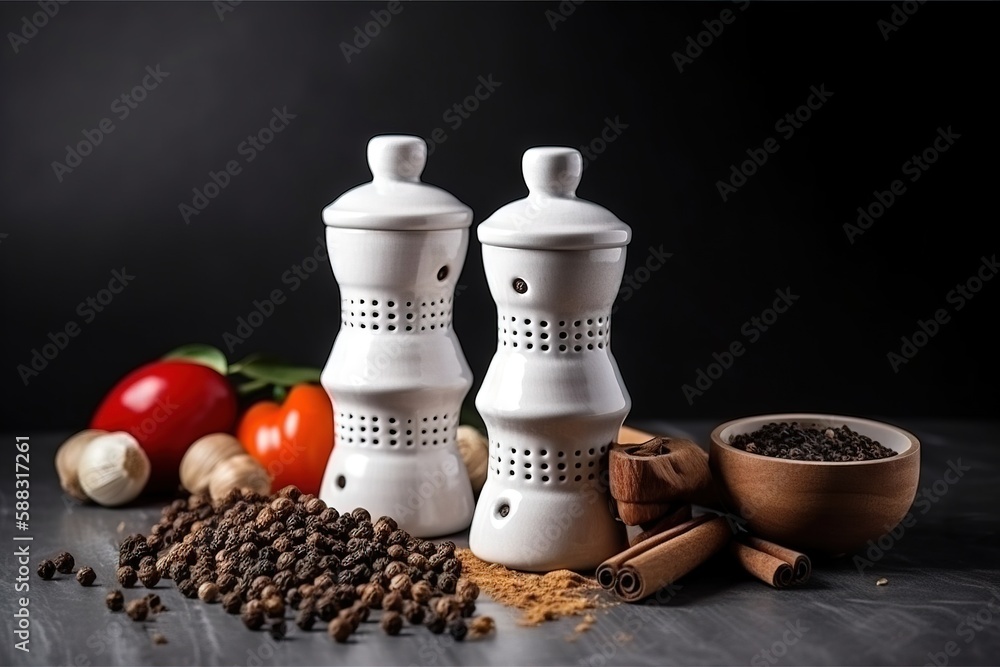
552 170
396 157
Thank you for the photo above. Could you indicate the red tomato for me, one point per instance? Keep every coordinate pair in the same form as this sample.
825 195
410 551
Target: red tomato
292 441
166 406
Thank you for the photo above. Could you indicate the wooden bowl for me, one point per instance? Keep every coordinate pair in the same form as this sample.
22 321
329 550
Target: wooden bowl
830 508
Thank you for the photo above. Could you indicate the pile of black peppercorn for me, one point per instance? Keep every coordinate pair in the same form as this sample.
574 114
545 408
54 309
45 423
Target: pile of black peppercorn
785 440
265 555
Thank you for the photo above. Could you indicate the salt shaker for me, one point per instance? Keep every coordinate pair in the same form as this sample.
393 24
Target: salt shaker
553 398
397 375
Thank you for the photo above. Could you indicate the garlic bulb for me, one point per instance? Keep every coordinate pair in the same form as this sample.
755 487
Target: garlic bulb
474 448
238 472
68 462
202 457
113 469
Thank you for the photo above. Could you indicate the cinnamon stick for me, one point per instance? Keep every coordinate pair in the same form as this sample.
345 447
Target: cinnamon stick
800 563
674 517
669 560
767 568
607 572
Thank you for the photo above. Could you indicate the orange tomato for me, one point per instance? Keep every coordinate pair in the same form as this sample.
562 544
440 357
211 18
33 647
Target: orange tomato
293 440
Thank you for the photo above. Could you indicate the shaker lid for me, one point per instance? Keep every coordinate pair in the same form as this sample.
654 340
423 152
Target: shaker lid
551 217
396 198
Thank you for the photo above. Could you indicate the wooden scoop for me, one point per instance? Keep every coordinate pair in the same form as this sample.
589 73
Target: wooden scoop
650 475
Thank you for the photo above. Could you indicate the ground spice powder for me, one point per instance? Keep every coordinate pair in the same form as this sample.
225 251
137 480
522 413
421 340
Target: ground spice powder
542 597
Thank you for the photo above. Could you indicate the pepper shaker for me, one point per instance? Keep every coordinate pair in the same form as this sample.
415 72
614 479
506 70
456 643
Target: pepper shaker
396 374
553 398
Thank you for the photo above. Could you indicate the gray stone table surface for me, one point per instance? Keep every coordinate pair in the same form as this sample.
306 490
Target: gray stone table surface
941 606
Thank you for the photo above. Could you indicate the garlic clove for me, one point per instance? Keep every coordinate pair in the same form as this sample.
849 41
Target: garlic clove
113 469
474 448
203 456
68 462
238 472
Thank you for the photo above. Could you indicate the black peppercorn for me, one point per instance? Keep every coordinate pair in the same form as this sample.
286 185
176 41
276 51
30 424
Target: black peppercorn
305 619
391 623
340 629
273 606
252 617
402 584
457 629
188 588
278 629
326 607
387 522
361 609
138 609
344 595
426 549
179 571
149 575
394 568
86 576
351 616
208 592
372 595
361 514
447 549
232 602
293 598
46 569
379 578
115 600
414 612
436 624
436 562
155 543
312 505
286 560
155 605
421 592
446 582
392 601
64 562
466 590
226 583
418 561
331 515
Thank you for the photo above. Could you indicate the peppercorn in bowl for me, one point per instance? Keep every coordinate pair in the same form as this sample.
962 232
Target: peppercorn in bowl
816 482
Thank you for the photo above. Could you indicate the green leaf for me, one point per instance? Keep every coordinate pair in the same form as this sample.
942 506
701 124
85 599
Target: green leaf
250 387
200 353
277 373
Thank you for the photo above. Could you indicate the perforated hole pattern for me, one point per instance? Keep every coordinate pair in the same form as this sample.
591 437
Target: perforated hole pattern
368 430
590 332
545 466
394 315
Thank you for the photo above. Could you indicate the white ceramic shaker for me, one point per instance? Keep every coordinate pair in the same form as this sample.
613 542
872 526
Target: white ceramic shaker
397 375
553 398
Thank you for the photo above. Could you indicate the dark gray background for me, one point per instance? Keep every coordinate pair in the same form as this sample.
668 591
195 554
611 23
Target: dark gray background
119 208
